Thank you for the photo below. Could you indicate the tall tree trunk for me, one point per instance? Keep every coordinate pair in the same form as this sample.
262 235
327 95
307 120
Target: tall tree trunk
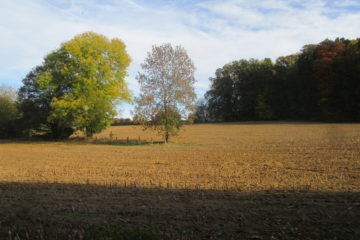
166 137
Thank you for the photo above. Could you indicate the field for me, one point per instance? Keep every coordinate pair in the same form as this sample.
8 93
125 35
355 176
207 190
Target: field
214 181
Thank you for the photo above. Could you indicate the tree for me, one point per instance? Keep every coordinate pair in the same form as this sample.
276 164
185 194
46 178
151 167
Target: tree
76 87
8 112
221 95
331 75
286 101
237 89
201 112
167 92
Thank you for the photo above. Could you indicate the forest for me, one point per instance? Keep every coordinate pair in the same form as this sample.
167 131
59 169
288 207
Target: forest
320 83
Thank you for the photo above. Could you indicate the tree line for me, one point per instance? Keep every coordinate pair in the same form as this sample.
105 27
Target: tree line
320 83
78 86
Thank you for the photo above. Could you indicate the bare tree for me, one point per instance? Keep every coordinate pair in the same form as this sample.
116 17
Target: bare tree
167 91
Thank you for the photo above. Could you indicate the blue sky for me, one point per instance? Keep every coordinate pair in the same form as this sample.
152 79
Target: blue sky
213 32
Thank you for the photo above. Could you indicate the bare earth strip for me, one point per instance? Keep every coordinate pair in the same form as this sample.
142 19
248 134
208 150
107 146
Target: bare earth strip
251 180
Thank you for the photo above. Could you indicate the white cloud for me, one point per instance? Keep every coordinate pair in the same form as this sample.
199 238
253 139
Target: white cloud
213 32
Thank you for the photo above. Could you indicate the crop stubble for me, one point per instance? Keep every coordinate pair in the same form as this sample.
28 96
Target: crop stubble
240 157
246 172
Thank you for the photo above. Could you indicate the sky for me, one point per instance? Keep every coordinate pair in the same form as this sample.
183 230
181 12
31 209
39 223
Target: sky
214 32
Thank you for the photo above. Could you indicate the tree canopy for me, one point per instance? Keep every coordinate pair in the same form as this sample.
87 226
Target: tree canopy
320 83
76 87
167 89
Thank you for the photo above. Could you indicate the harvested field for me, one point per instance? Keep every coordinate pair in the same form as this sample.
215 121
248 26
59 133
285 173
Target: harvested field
214 181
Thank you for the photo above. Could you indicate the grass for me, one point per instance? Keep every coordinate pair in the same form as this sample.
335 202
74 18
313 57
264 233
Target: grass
214 181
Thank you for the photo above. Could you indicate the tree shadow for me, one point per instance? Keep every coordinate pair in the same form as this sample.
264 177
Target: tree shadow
98 141
72 211
117 141
280 122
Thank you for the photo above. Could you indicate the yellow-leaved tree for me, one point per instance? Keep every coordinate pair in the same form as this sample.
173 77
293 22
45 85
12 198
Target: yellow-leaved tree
77 87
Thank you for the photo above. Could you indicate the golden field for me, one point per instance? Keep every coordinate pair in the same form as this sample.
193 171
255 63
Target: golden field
250 180
237 157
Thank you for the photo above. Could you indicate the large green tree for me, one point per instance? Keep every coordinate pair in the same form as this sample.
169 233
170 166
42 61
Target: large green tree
167 90
77 87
